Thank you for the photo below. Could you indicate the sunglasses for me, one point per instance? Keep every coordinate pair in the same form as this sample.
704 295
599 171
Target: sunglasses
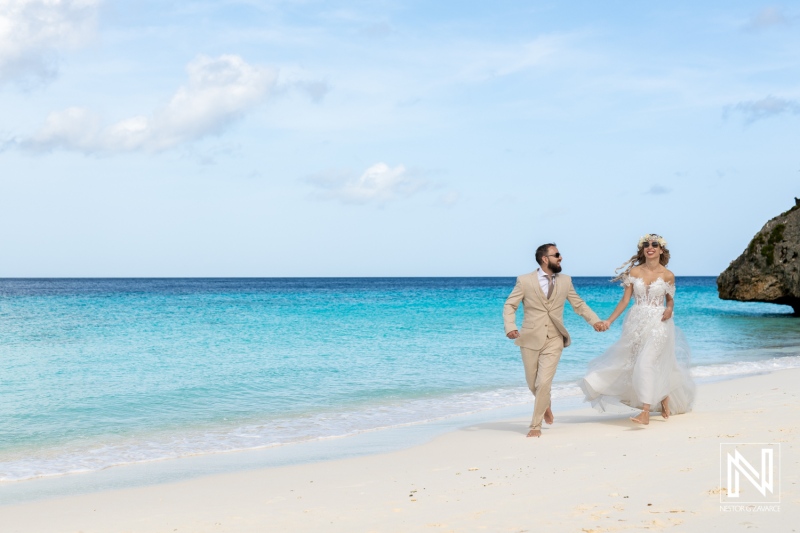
654 244
556 255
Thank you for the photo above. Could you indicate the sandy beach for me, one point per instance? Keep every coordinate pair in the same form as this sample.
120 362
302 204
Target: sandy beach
589 472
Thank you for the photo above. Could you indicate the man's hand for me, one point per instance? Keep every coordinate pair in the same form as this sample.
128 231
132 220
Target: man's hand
513 334
601 325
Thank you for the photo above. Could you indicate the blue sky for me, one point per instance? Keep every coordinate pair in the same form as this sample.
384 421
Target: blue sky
304 138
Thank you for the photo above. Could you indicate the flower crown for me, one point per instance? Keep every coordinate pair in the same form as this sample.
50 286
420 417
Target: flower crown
653 237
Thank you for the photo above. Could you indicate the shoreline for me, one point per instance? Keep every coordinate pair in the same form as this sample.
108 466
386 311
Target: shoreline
383 439
467 477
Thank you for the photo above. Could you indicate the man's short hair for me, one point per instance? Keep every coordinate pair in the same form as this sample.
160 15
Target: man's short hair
541 251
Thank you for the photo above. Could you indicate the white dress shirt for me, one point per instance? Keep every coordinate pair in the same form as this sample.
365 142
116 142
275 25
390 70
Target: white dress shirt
544 281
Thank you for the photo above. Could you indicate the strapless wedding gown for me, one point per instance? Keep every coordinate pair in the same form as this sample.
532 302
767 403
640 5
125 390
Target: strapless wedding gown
649 362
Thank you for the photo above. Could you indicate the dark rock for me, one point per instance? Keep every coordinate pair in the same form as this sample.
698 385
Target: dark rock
769 269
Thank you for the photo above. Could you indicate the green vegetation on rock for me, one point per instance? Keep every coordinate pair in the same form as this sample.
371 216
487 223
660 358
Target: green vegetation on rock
768 250
758 240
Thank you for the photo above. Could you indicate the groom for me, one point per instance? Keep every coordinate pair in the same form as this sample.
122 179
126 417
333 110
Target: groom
543 334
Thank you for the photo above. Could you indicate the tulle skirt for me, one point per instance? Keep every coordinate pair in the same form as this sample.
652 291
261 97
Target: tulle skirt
648 363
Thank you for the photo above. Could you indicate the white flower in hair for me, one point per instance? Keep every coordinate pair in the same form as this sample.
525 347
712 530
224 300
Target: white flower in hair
650 237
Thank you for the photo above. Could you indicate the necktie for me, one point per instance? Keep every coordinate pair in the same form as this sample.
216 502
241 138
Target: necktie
551 283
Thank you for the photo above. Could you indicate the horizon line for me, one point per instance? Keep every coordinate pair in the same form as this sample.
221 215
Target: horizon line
13 278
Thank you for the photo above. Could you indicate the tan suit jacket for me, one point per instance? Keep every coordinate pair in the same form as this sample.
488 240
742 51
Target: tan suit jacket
541 313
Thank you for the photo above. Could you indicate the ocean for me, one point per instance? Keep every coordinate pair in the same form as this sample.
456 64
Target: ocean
96 373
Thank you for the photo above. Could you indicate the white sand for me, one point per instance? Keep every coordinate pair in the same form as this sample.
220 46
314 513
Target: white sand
589 472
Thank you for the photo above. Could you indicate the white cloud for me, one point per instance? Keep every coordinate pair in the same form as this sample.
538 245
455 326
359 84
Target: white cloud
658 189
768 17
294 79
219 91
491 62
378 184
378 30
754 110
315 90
450 198
32 31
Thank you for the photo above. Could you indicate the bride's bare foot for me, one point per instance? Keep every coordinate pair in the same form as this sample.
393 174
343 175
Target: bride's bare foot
548 416
643 418
665 407
535 433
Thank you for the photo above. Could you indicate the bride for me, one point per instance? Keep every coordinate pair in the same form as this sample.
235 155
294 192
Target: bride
648 367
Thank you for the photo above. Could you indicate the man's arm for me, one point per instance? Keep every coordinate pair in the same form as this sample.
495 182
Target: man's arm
580 307
510 310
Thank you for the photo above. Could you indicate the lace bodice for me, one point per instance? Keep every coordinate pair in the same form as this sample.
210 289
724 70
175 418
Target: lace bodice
652 295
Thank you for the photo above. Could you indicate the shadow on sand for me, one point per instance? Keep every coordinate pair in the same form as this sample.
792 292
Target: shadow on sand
621 421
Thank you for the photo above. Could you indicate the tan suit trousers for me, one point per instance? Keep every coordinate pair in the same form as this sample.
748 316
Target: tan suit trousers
540 369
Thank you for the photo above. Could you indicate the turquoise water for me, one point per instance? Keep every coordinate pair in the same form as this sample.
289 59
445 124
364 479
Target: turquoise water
95 373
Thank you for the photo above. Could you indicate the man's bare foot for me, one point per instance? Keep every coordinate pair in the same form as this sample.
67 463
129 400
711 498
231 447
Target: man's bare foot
548 416
535 433
665 407
643 418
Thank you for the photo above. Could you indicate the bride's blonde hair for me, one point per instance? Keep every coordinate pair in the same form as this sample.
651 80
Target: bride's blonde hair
639 259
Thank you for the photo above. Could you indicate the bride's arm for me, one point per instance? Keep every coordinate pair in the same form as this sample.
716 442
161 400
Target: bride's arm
622 305
670 278
668 311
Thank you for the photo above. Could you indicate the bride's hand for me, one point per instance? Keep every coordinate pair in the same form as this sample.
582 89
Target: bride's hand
667 315
601 326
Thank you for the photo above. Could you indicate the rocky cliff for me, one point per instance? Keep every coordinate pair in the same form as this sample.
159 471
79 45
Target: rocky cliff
769 269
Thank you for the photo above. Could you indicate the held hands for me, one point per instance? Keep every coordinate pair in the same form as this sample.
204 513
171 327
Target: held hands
667 314
602 325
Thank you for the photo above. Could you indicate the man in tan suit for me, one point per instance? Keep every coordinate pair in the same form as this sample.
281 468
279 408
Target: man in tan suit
543 334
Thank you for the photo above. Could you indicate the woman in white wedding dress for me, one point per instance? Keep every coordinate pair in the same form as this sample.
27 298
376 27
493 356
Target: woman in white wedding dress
648 367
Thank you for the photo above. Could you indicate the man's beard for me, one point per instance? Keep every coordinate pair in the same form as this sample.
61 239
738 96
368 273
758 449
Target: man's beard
555 268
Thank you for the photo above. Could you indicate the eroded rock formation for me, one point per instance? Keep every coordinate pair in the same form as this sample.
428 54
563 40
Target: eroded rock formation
769 269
